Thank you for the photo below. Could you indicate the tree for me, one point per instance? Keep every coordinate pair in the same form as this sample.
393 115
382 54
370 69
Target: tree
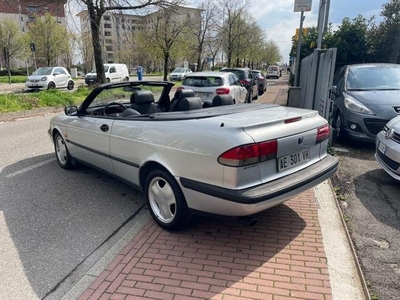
201 27
96 9
271 53
51 38
12 42
385 38
166 32
230 13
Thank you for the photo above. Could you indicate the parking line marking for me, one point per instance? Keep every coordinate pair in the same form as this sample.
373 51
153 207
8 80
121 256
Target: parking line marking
30 168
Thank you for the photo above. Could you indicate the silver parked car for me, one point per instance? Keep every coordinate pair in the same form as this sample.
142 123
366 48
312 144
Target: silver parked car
207 85
366 97
232 160
49 78
179 74
388 148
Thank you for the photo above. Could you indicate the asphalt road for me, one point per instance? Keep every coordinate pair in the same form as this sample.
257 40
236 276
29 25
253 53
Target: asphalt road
371 206
52 220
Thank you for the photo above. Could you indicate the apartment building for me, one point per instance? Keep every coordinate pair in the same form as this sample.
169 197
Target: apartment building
24 12
117 31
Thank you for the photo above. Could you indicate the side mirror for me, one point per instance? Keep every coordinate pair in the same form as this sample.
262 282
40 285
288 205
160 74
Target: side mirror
70 110
334 90
56 73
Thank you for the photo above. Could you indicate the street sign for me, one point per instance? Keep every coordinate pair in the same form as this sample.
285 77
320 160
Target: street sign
302 5
33 47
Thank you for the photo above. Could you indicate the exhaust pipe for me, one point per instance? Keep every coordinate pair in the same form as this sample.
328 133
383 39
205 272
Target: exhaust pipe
248 220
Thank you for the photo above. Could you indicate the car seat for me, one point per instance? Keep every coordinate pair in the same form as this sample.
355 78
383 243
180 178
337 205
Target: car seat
179 95
143 102
220 100
190 103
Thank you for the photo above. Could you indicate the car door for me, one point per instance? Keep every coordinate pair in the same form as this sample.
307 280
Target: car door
60 77
254 81
89 140
239 90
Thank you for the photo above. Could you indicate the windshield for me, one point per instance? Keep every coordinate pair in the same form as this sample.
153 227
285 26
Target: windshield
94 70
179 70
202 81
43 71
373 78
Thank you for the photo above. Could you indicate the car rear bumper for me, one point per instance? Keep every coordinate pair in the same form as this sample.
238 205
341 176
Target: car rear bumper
218 200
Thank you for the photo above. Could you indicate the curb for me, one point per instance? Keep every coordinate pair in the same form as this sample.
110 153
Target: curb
351 244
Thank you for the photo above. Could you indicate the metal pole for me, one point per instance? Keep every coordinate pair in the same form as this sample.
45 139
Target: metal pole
327 8
296 74
321 22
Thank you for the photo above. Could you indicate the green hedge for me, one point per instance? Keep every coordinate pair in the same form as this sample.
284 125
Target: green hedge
13 102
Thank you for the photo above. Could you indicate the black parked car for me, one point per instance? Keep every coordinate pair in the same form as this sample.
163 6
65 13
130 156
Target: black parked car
262 81
247 79
366 97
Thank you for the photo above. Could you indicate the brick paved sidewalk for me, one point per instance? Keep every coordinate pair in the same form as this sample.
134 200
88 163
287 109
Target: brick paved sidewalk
282 257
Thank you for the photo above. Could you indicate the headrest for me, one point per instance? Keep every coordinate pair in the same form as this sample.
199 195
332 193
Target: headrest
222 100
190 103
142 97
180 94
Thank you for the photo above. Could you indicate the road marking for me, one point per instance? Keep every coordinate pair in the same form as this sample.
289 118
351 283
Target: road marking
30 168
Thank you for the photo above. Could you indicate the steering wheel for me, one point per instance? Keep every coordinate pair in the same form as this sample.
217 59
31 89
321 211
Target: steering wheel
113 104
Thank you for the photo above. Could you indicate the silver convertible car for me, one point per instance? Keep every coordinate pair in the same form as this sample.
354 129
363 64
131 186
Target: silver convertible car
226 159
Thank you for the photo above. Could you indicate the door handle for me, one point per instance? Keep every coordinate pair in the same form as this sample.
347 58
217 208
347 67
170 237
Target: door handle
104 127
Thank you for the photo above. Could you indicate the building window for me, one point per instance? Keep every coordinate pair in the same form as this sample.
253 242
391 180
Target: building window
107 33
109 48
109 41
106 18
32 8
107 25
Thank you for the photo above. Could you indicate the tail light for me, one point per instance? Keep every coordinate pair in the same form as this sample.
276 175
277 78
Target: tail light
245 81
245 155
323 133
222 91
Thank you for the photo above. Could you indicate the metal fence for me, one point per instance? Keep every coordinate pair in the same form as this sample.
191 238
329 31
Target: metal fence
316 80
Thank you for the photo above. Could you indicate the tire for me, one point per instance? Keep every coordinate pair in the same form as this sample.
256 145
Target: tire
166 201
108 80
70 85
62 154
337 124
126 78
250 96
51 85
256 97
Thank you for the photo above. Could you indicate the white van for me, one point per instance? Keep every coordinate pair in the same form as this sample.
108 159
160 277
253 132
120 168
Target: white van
273 71
114 73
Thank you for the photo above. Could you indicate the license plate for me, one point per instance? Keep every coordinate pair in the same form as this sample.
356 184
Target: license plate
382 148
201 95
292 160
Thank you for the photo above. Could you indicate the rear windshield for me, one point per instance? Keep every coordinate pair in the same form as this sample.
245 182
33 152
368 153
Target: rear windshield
273 69
238 73
202 81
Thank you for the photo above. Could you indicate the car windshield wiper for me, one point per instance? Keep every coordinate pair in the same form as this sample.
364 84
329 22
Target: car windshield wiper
359 89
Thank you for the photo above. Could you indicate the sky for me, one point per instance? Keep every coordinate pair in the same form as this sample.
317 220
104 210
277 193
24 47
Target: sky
279 21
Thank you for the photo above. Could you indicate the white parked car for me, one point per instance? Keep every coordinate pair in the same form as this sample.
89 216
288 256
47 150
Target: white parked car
49 78
232 160
388 148
113 72
207 85
179 74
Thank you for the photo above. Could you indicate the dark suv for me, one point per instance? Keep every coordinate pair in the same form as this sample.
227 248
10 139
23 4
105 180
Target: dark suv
247 79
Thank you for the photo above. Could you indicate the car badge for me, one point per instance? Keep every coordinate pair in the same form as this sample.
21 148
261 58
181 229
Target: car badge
300 140
389 134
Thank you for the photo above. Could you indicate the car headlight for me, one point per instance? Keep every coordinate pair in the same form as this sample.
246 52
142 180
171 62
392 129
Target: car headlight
353 105
44 78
